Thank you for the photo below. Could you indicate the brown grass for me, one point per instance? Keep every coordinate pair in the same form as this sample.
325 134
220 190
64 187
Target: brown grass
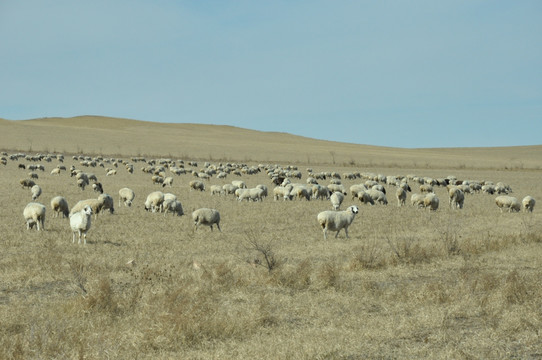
408 283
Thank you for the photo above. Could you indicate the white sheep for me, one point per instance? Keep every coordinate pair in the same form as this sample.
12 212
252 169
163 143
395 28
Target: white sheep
175 207
127 196
216 190
36 192
426 188
336 199
337 220
239 183
282 192
508 202
34 214
377 196
168 181
528 203
365 198
80 222
27 183
401 195
197 185
417 200
301 191
457 197
356 188
431 201
206 216
154 201
320 192
254 194
59 204
229 189
107 202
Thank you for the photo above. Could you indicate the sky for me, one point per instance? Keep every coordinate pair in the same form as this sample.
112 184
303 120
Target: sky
410 74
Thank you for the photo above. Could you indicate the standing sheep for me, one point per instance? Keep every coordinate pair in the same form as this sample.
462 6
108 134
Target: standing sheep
401 195
154 201
107 202
457 197
59 204
206 216
337 220
528 203
34 214
175 207
127 196
36 192
197 185
431 201
80 223
336 199
508 202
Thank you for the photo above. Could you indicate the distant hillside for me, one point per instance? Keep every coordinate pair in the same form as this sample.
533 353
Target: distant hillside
125 137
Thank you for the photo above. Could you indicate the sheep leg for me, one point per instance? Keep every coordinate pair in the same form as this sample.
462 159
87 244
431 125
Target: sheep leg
218 226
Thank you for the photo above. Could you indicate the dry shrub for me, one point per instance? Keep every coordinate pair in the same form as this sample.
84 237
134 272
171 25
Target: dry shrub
101 298
297 278
368 255
515 288
329 275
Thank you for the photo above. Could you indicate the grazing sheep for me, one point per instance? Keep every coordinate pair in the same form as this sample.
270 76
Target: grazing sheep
239 183
254 194
417 200
33 175
355 189
229 189
300 191
337 187
82 183
401 195
36 192
154 201
337 220
168 181
320 192
80 222
111 172
365 198
488 189
175 207
457 197
336 199
95 204
197 185
27 183
431 201
508 202
217 190
206 216
528 203
157 179
264 188
98 188
127 196
107 203
282 192
34 214
59 204
378 196
426 188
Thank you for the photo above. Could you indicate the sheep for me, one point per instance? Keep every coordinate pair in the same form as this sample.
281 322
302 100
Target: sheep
34 214
417 200
282 192
320 192
168 181
97 187
457 197
157 179
127 196
426 188
154 201
82 183
488 189
206 216
300 191
528 203
337 187
355 189
36 192
107 203
95 204
264 188
337 220
254 194
80 222
401 195
174 206
239 183
111 172
431 201
378 196
197 185
229 189
59 204
27 183
216 190
336 199
508 202
33 175
365 198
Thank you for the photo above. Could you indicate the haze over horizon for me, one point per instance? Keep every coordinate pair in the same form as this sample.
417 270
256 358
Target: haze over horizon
412 75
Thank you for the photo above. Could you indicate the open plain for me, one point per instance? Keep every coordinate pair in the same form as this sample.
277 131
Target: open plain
407 283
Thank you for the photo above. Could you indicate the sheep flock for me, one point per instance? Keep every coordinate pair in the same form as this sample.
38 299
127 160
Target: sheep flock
327 191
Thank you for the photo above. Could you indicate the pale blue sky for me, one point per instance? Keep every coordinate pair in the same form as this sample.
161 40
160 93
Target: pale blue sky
391 73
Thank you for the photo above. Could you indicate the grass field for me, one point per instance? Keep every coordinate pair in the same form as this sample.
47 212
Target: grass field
408 283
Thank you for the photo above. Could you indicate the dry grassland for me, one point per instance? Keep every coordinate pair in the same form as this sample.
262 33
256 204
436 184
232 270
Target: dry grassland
408 283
